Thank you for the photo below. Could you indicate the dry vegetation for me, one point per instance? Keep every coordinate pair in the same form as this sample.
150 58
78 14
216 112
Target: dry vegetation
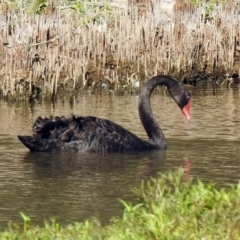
83 47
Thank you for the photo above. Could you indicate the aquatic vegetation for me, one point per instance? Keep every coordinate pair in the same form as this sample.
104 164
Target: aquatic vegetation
167 208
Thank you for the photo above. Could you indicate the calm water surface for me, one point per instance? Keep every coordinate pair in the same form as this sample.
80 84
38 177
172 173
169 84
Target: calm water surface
73 187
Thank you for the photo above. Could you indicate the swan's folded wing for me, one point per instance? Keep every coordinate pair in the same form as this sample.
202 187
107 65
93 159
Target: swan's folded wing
90 133
103 135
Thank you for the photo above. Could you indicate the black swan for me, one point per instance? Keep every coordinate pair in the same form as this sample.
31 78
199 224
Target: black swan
81 134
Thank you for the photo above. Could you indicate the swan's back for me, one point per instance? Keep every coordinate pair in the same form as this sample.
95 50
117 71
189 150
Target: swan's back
80 134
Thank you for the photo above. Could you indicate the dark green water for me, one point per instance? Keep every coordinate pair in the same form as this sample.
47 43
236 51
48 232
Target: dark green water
73 187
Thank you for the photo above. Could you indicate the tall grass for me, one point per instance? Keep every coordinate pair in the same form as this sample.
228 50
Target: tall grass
79 46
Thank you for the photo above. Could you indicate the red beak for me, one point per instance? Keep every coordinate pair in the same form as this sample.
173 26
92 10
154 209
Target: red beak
185 110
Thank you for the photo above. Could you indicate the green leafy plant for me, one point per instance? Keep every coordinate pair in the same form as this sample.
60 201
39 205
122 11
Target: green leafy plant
167 208
79 7
26 222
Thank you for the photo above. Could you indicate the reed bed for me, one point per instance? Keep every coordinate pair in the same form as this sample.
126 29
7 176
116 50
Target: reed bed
113 45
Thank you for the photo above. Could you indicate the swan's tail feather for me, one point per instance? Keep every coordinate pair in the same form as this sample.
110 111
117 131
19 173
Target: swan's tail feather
37 144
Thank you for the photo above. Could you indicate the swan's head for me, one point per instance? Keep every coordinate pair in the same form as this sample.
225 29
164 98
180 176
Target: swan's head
182 97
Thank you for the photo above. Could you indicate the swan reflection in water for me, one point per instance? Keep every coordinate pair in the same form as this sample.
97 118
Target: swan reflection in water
187 167
76 186
92 134
139 165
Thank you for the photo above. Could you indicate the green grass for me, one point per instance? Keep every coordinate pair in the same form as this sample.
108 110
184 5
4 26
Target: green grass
168 208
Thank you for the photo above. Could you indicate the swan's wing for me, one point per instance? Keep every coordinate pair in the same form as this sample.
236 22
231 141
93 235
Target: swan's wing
86 134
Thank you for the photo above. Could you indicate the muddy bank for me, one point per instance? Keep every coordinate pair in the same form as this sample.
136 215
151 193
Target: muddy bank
115 48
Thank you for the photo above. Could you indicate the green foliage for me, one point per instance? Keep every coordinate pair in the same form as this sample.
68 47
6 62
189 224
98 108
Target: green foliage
39 5
36 6
209 6
79 7
13 5
26 222
168 208
208 2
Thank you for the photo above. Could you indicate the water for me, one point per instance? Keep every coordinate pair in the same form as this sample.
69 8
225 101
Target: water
73 187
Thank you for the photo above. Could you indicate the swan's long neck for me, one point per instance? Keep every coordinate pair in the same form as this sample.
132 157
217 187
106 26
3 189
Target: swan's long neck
155 134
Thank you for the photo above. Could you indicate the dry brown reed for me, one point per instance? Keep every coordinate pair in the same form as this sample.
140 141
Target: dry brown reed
113 47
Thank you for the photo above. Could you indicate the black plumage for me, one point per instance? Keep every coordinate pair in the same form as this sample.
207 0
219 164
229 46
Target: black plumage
88 133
